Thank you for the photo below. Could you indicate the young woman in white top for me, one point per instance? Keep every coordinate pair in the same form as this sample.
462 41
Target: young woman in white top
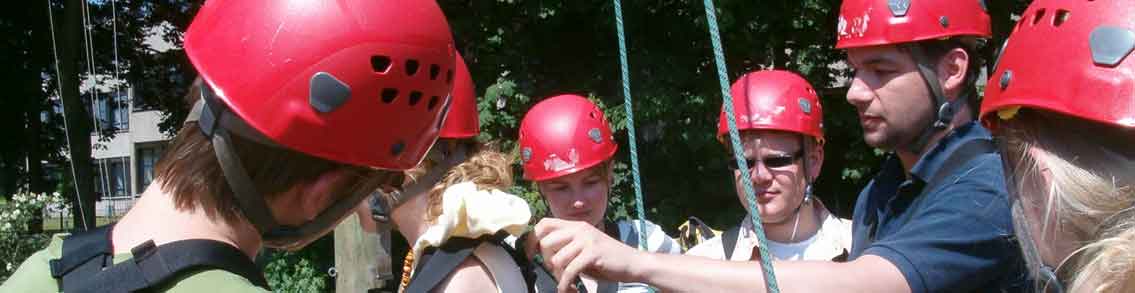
566 147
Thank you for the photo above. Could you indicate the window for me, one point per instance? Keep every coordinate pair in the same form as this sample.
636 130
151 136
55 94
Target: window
147 158
112 177
112 111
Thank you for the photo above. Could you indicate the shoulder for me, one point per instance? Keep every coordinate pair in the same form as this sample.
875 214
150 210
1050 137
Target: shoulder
470 276
214 281
34 273
977 191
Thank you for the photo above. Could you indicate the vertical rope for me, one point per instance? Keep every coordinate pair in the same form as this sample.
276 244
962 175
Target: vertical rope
735 139
630 124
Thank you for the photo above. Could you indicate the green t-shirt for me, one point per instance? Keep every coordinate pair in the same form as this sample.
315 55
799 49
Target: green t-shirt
34 275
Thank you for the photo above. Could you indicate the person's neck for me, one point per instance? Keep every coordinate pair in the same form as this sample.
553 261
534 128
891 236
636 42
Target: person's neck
155 216
808 226
909 157
408 219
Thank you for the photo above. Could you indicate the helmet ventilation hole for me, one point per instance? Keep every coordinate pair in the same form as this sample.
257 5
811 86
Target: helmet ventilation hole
1061 17
411 67
432 103
449 76
380 64
1038 16
415 97
434 71
388 95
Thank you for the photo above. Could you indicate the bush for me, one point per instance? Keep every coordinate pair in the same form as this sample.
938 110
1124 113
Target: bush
305 270
16 242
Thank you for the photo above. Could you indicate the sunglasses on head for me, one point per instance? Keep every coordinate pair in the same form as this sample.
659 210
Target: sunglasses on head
772 162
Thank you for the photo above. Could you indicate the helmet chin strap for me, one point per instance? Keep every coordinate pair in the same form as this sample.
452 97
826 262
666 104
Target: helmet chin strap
445 155
944 109
807 200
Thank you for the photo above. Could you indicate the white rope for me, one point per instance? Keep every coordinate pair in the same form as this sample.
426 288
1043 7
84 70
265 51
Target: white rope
90 59
66 128
104 175
114 25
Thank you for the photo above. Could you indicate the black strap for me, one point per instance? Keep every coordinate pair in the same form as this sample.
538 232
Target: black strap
442 261
438 263
84 253
729 241
702 228
943 109
150 267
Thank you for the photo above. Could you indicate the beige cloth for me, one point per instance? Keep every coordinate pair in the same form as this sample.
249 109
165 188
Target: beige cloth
471 213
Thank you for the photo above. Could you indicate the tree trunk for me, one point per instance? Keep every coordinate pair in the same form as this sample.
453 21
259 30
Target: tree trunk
362 258
77 119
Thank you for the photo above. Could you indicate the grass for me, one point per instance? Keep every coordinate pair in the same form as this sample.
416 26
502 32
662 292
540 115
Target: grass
54 224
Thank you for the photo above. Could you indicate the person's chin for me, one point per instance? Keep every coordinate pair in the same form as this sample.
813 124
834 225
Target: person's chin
774 218
578 217
874 139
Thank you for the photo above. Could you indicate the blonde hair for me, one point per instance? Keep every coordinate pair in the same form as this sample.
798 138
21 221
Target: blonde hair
484 166
1091 190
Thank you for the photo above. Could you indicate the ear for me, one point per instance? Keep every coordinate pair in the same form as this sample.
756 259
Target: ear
952 70
318 195
815 159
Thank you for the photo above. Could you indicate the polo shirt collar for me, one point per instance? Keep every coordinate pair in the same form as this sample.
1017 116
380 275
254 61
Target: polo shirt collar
931 162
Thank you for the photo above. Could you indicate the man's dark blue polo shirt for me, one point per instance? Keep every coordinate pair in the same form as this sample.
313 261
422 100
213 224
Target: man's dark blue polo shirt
957 237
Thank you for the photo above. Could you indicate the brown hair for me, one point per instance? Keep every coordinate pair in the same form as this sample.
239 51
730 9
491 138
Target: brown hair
485 166
189 171
1090 192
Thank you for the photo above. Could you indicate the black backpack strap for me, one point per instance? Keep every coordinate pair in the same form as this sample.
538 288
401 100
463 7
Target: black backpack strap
84 253
729 241
443 261
151 266
701 228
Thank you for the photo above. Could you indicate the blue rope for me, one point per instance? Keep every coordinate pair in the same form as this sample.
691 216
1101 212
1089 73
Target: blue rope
735 139
630 124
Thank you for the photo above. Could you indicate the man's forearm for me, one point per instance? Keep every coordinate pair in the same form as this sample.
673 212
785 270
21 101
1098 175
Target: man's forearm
677 273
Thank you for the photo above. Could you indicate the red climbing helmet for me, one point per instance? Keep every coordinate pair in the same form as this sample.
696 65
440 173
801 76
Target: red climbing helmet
774 100
462 121
864 23
1071 58
353 81
562 135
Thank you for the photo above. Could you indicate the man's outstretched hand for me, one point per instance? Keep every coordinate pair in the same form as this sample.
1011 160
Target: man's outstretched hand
571 248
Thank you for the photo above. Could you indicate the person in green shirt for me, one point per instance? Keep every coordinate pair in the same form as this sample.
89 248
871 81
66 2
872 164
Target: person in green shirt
302 109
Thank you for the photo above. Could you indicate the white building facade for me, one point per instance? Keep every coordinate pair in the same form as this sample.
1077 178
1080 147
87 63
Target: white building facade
124 161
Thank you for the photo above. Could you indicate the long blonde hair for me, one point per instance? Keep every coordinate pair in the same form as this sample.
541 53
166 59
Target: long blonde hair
484 166
1090 190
